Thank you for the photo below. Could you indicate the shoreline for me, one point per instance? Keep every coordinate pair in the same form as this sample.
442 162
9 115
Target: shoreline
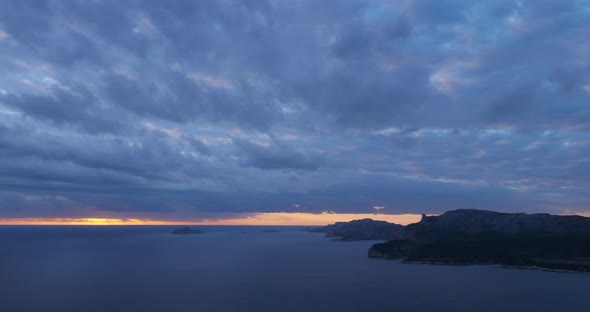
498 265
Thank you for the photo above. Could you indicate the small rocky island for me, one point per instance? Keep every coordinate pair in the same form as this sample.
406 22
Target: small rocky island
462 237
186 231
365 229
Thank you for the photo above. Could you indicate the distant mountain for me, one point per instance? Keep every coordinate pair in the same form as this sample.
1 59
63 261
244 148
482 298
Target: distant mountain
486 237
364 229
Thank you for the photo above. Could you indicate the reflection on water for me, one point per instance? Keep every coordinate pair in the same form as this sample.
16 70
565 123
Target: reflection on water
241 268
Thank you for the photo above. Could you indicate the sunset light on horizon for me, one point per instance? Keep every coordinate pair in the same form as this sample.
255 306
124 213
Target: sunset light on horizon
258 219
280 155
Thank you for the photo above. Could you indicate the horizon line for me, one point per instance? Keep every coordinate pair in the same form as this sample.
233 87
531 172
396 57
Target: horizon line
257 219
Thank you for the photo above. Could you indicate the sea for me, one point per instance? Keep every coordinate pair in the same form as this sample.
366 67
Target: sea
251 268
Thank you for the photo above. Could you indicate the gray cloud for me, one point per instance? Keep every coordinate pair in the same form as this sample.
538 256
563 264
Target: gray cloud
189 108
277 156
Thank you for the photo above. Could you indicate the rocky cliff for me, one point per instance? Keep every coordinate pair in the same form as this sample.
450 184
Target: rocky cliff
486 237
482 224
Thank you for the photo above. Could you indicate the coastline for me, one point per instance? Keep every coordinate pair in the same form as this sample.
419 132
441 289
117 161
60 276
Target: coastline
498 265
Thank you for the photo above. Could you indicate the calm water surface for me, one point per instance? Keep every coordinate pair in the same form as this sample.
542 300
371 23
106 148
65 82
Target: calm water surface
247 269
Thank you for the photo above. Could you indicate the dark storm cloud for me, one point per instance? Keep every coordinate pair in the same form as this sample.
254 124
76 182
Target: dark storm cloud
187 108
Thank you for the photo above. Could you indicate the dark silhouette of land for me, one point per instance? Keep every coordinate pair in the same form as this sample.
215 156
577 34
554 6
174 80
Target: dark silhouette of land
469 236
365 229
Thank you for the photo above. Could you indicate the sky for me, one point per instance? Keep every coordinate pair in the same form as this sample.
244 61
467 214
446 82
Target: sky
205 111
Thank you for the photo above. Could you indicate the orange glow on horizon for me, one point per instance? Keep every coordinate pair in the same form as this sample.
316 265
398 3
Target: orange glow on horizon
84 221
301 218
269 218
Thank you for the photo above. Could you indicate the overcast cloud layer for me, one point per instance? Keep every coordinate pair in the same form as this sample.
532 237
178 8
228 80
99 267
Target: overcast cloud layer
193 108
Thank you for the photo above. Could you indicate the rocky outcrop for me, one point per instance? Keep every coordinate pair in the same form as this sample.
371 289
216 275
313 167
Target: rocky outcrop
186 231
365 229
395 249
541 241
482 224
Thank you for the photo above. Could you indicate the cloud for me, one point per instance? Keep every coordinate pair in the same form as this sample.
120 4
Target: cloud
185 108
3 35
276 156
